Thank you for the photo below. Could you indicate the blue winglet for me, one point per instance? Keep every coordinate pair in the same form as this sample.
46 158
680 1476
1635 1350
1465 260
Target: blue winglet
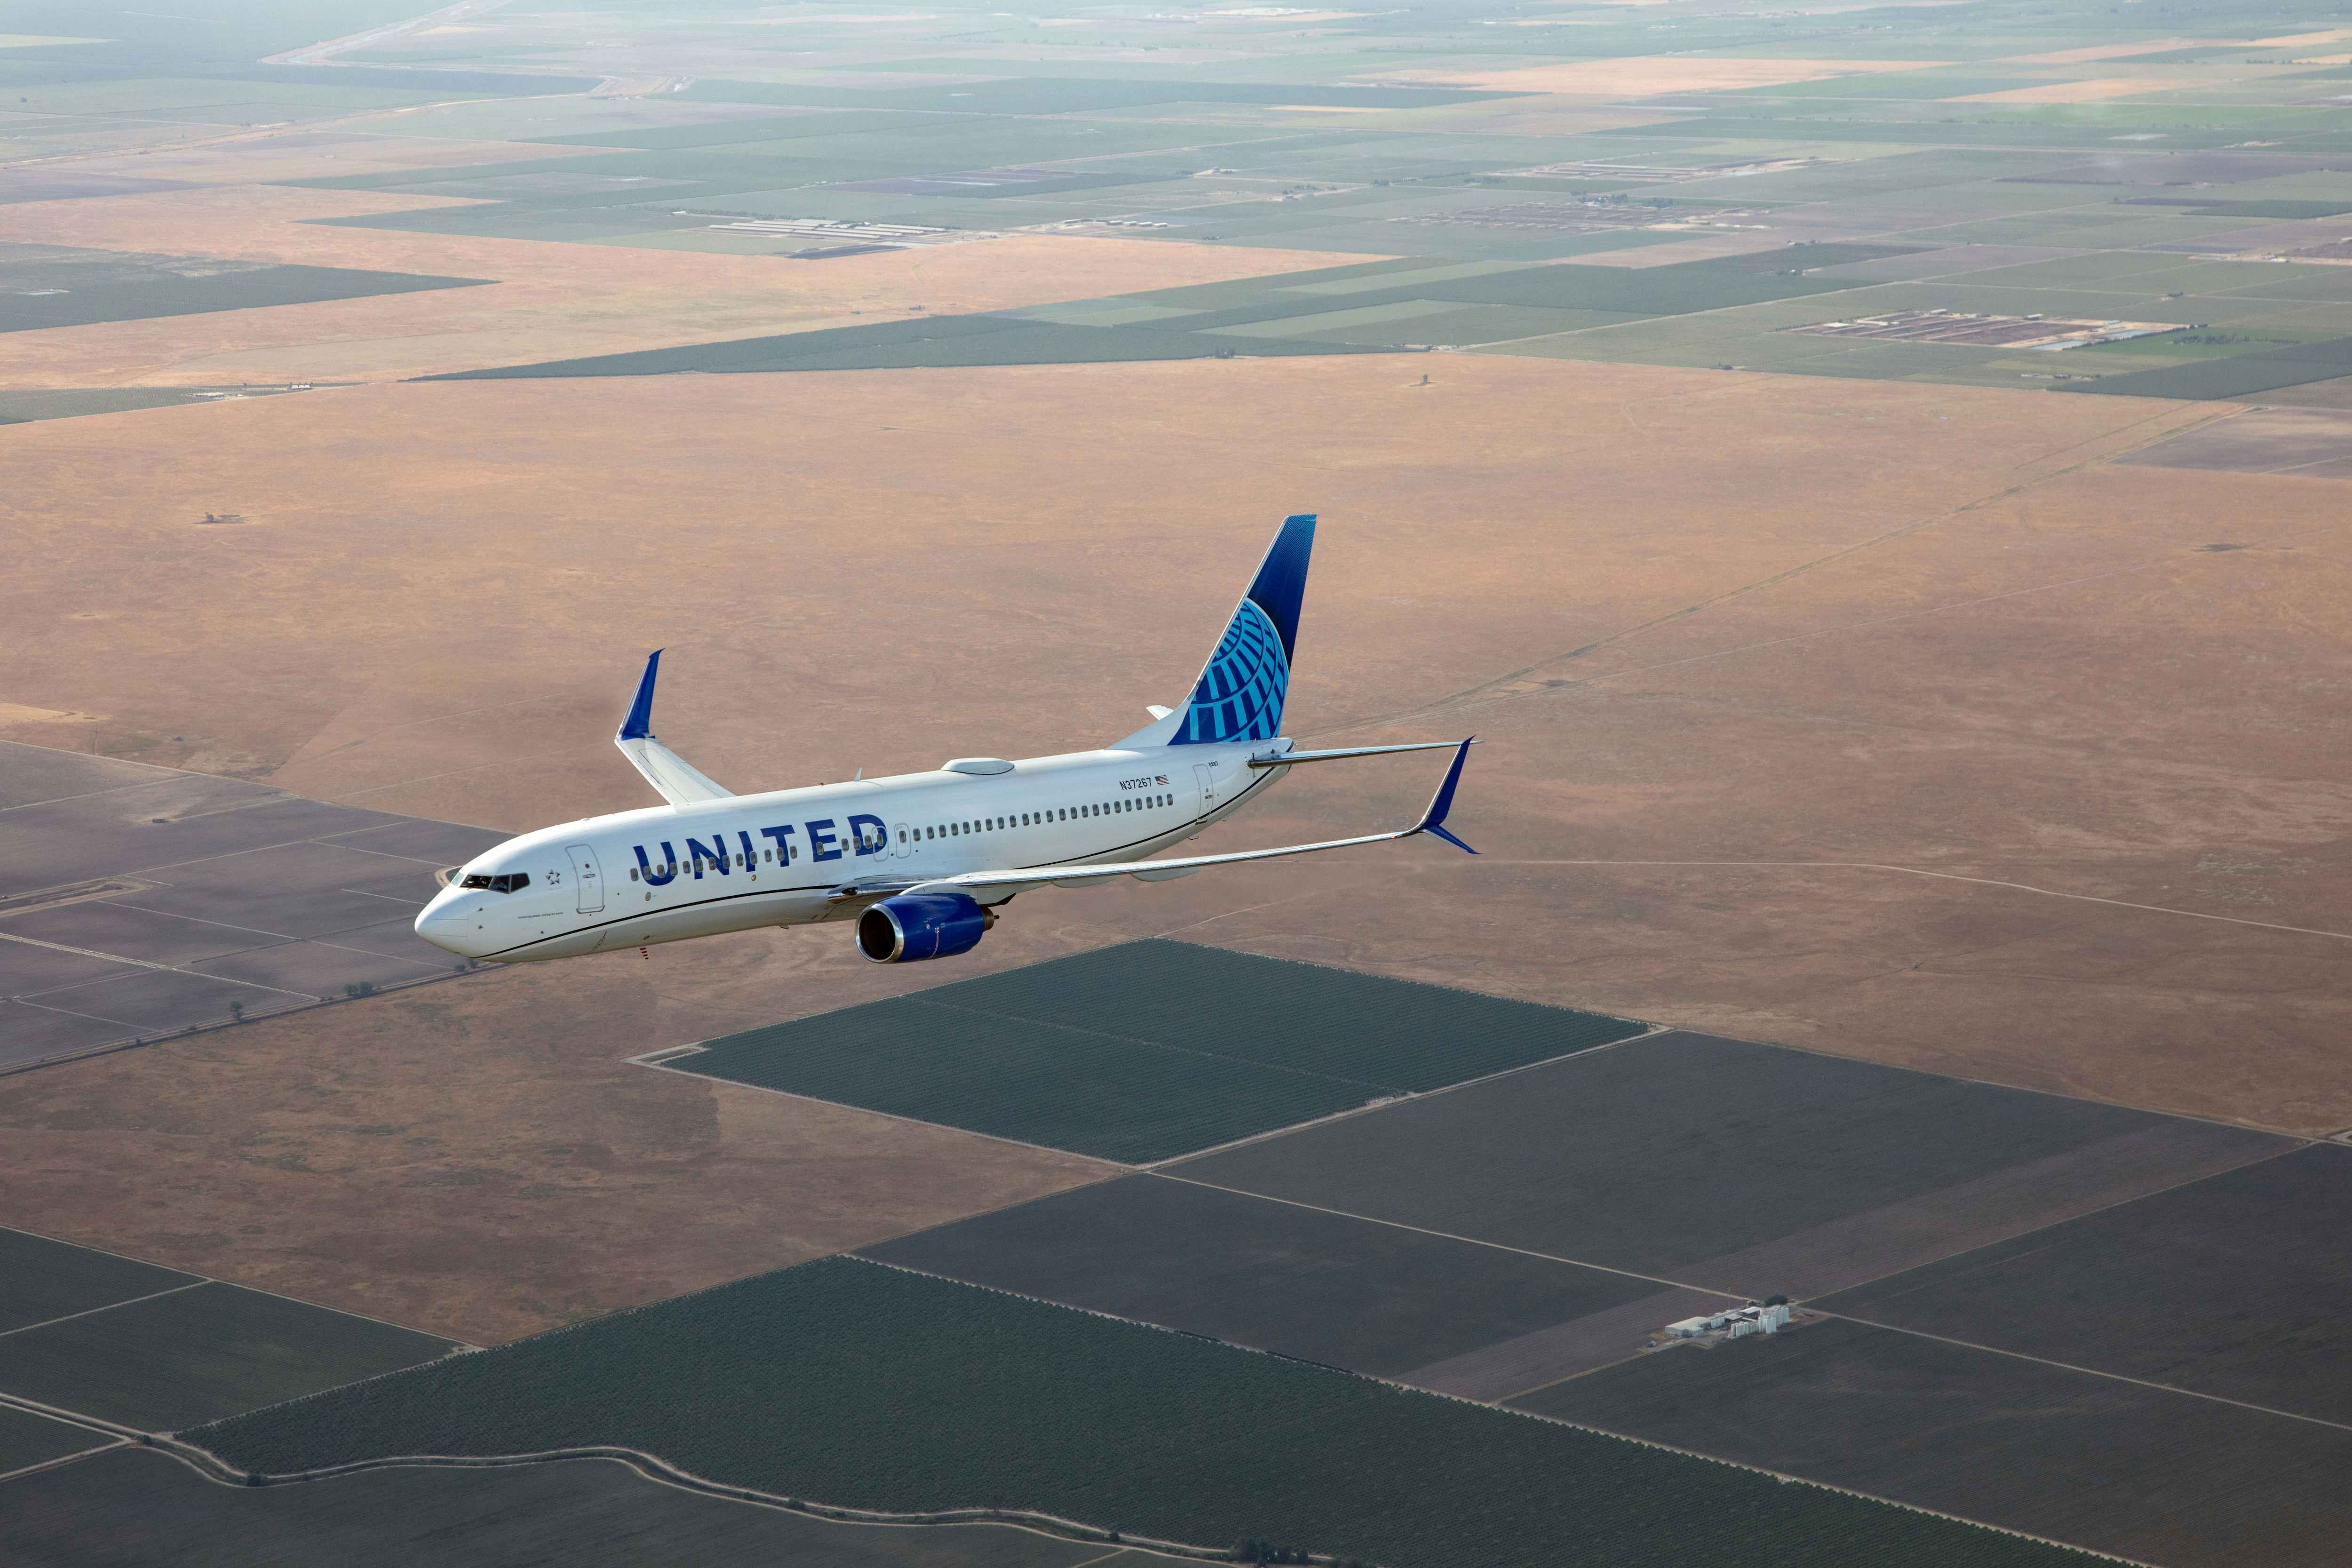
1433 821
639 724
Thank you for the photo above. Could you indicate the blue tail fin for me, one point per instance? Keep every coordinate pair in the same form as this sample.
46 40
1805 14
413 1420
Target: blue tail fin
1240 694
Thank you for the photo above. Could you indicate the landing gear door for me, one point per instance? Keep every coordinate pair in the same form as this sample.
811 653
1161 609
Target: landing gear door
587 877
1208 788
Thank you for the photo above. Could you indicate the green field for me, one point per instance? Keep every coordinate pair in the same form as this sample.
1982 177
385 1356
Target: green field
29 1439
1349 133
937 342
2239 376
1351 310
76 293
1149 1049
848 1382
41 1280
198 1353
142 1505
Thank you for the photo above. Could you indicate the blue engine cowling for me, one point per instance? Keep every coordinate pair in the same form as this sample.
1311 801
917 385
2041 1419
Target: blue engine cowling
915 926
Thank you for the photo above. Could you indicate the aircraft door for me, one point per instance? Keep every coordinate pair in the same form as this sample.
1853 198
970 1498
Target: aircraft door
903 843
587 877
1207 787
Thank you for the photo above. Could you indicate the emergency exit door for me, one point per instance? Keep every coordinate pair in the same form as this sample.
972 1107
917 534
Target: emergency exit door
1207 787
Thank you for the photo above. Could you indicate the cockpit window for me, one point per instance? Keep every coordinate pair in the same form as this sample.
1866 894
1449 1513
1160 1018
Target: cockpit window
508 884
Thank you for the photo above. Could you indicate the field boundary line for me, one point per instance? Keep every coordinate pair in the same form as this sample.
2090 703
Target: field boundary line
868 1111
61 1461
72 1417
1406 1097
2089 1371
93 1311
142 964
458 1345
2086 1214
1449 1236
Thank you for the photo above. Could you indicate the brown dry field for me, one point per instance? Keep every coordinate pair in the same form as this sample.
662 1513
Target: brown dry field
2095 91
2114 51
310 154
1649 76
476 1160
1820 711
547 300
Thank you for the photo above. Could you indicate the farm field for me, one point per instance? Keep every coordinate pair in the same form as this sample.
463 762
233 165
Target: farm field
198 1353
2152 1475
52 287
1673 383
1754 576
1265 1274
1645 1158
146 1507
1258 318
2304 441
139 902
1149 1050
41 1280
803 1382
29 1439
2220 1286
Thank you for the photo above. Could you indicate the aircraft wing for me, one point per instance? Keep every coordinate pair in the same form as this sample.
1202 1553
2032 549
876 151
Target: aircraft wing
1082 874
679 781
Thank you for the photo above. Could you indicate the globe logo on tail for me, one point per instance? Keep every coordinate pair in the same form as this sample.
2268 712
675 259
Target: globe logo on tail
1240 694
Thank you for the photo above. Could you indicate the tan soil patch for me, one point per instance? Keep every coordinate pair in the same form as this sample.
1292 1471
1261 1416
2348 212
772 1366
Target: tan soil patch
2112 51
1698 248
475 1160
2092 91
2302 41
308 154
1550 116
1647 76
2045 682
550 300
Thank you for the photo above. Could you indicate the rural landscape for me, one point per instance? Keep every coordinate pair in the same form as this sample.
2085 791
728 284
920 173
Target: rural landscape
1874 480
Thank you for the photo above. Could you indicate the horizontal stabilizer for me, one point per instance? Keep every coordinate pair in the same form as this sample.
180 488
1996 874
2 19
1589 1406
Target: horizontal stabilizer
676 780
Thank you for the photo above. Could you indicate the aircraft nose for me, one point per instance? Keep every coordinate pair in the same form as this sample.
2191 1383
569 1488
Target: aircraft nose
449 923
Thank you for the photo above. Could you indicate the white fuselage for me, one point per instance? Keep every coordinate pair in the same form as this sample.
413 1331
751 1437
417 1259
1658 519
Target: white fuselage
798 855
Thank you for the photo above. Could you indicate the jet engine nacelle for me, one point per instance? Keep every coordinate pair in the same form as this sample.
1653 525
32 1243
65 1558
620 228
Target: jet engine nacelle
915 926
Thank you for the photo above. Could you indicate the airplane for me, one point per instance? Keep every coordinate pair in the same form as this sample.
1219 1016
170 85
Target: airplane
921 862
